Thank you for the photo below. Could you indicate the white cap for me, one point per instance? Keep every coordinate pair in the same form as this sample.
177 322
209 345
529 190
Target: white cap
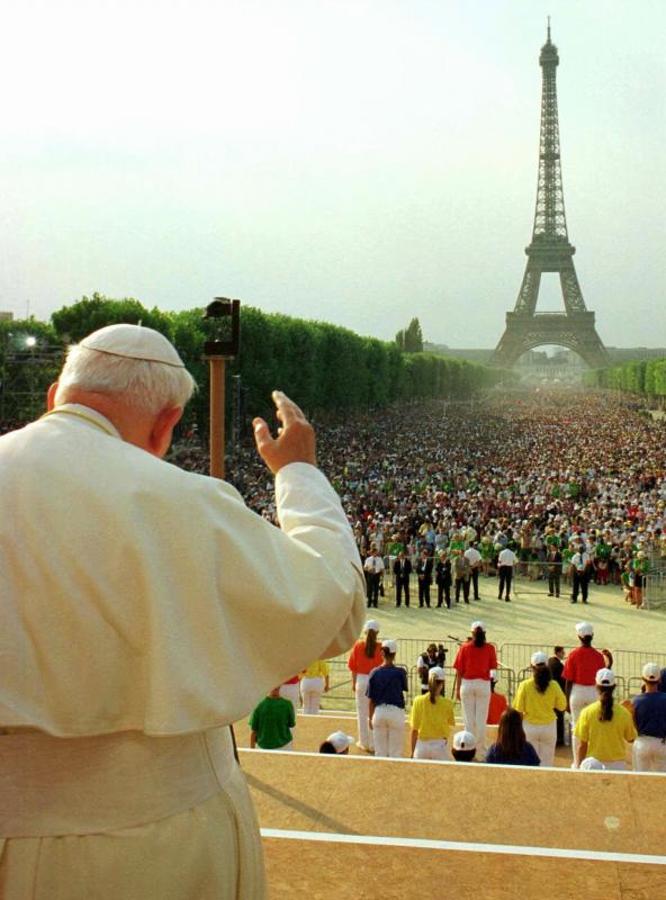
584 629
651 672
371 625
605 677
477 624
591 762
340 741
391 646
133 342
539 658
464 740
437 673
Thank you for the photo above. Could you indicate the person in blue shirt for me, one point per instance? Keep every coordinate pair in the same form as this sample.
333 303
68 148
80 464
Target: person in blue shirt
386 690
649 712
512 747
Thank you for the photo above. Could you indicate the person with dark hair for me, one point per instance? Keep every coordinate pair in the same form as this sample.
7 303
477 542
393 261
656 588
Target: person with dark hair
424 568
475 665
271 723
512 747
554 569
402 569
443 579
604 726
581 568
649 711
365 656
498 703
556 666
428 660
537 698
506 561
386 690
432 718
463 748
461 575
579 671
374 569
338 742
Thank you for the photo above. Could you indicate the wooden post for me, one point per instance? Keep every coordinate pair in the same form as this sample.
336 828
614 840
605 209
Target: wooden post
216 424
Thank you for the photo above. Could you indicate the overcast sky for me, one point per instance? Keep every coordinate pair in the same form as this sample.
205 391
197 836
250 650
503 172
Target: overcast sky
357 161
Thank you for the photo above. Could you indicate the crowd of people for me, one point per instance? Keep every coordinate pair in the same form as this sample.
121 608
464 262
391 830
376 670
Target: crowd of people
581 685
562 487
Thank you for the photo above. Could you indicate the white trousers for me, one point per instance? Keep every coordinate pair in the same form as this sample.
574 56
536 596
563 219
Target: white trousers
388 724
365 737
311 691
435 749
475 699
290 692
649 754
543 739
581 696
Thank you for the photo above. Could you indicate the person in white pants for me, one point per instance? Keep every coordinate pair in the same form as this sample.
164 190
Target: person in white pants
579 672
289 690
649 712
365 656
432 719
475 665
387 687
537 698
314 682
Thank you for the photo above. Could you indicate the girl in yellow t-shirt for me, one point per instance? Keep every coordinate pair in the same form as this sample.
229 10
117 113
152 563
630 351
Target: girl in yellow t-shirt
537 699
432 719
314 682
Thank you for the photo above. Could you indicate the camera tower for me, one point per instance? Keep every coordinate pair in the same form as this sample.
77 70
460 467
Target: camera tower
550 251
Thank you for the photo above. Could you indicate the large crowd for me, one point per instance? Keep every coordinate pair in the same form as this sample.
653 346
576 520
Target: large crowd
544 475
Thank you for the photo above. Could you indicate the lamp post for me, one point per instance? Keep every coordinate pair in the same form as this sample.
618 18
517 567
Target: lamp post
225 316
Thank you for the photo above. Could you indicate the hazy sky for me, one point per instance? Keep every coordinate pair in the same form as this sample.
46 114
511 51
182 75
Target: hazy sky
359 162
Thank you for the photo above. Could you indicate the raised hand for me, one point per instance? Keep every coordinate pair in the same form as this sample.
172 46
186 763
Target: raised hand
295 441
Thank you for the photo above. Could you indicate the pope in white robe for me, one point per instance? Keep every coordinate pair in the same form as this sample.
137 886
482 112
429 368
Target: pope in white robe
144 608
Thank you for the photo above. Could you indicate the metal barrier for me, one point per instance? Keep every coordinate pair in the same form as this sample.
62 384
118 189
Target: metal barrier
654 590
627 664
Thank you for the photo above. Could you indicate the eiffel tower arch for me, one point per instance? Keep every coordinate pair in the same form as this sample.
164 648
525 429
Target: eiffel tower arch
550 251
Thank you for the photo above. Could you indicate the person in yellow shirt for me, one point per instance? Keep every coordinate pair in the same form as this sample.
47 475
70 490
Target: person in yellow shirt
432 718
537 698
314 683
604 726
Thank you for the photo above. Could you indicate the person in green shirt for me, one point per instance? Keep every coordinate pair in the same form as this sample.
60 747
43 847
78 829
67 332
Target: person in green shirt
271 723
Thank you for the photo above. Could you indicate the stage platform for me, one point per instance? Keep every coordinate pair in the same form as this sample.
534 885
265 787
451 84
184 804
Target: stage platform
361 827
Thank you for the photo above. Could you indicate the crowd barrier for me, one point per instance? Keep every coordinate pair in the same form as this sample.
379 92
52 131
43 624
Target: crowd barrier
514 667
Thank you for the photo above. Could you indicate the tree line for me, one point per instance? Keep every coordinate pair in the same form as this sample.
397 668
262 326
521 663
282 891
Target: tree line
646 377
325 368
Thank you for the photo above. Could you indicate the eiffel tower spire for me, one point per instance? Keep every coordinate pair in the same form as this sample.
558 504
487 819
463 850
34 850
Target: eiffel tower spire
550 250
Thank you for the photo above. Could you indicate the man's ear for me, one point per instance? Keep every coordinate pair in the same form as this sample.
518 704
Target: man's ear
50 396
159 439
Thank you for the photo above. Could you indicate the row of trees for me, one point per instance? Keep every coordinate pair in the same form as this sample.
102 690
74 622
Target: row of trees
325 368
646 377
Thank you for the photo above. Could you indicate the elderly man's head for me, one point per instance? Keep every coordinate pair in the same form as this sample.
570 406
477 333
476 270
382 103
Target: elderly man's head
134 377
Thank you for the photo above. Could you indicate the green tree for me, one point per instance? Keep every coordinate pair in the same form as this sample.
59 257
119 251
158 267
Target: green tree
410 340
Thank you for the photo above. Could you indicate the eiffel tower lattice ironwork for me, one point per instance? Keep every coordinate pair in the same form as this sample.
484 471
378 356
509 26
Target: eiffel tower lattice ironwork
550 251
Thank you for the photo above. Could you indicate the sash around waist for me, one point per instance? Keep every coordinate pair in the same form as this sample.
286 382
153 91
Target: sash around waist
55 786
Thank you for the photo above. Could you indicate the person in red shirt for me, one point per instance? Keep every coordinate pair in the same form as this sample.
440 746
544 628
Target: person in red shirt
365 656
475 665
580 669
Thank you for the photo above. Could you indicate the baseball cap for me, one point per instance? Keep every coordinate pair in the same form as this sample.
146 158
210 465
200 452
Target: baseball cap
539 658
651 672
340 741
437 673
477 624
371 625
605 677
391 646
133 342
464 740
584 629
591 762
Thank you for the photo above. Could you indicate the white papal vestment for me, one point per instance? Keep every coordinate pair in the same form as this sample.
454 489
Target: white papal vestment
143 608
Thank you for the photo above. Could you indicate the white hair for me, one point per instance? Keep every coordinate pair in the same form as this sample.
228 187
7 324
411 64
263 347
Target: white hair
147 386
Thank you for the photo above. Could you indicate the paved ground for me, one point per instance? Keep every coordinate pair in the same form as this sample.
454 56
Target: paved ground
531 617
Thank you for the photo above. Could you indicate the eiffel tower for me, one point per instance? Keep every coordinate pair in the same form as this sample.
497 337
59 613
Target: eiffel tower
550 251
